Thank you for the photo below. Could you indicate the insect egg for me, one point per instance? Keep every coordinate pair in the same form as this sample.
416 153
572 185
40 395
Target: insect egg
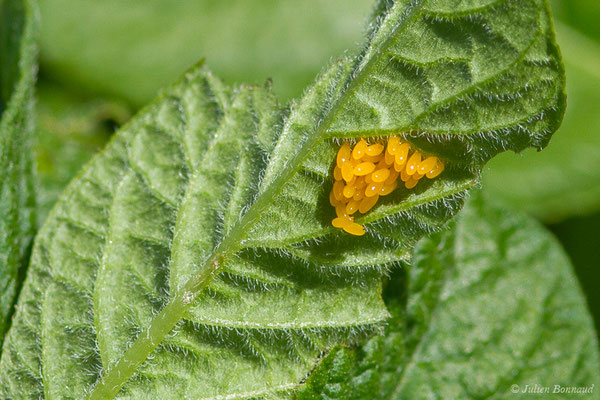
438 169
387 189
367 203
337 173
341 222
413 162
359 150
349 191
374 150
338 190
368 171
364 168
352 207
373 189
380 175
401 154
354 229
426 165
340 211
347 172
343 154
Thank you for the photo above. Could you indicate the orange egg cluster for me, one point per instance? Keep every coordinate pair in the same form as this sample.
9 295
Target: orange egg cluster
365 172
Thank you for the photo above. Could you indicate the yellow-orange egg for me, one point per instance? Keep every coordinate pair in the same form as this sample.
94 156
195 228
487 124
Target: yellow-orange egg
373 159
374 150
380 175
343 154
341 222
413 162
427 165
393 176
438 169
359 150
337 173
387 189
352 207
411 183
367 203
401 154
354 229
358 195
393 144
404 176
332 200
338 190
340 210
360 182
349 191
389 158
347 171
373 189
364 168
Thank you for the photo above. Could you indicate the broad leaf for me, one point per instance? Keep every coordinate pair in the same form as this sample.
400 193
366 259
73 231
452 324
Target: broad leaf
195 256
17 202
563 180
287 41
488 309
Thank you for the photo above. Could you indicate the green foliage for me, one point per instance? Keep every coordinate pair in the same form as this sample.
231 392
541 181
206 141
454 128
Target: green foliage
70 130
580 14
17 202
563 180
139 47
486 305
195 257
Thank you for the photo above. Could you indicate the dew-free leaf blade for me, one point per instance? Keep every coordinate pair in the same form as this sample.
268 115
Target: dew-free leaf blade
197 251
564 179
70 129
17 202
488 309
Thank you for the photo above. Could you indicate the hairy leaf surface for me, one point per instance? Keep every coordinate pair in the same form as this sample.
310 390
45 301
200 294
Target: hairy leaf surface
195 256
17 202
487 305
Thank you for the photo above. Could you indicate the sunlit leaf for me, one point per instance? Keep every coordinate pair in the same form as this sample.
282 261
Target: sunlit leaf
195 257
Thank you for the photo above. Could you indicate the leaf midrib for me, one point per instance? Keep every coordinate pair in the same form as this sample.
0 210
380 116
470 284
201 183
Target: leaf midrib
162 324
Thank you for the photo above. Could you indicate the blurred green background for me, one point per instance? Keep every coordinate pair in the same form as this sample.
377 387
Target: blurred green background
102 60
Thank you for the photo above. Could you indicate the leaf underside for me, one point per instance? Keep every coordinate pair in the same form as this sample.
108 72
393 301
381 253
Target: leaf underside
194 257
486 305
17 202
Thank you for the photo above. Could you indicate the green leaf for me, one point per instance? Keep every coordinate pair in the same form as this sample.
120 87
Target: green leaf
564 179
195 256
581 15
287 41
486 305
71 129
17 202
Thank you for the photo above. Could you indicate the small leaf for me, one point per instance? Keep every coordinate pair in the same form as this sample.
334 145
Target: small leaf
195 255
17 201
488 307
